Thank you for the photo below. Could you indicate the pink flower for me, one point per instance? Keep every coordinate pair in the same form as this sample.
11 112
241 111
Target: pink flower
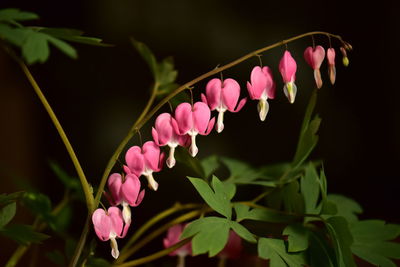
109 225
233 248
314 58
125 191
330 55
287 68
262 87
164 134
193 120
173 237
145 161
223 96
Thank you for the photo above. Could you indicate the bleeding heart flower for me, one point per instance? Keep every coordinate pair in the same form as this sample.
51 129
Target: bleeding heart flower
233 248
330 55
287 68
345 59
145 161
223 96
314 58
262 87
125 191
193 120
109 225
173 237
164 134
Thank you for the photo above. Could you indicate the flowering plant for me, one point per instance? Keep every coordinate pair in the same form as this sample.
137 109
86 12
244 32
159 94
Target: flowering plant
289 219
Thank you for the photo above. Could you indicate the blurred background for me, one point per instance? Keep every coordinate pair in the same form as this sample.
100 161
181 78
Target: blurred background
98 96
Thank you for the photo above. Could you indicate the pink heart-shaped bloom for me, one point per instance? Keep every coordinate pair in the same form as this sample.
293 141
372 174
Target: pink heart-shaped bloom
314 58
102 224
135 160
192 121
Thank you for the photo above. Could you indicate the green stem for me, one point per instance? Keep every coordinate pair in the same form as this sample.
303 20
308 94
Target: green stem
154 256
64 138
81 243
177 207
156 233
134 129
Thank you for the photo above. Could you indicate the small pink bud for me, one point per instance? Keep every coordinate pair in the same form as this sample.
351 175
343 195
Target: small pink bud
330 54
287 68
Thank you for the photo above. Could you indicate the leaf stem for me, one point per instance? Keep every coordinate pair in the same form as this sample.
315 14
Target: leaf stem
154 256
63 136
157 232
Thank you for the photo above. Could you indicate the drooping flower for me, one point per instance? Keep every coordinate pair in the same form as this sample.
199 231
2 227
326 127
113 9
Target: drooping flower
330 55
164 134
261 87
345 59
193 120
287 68
223 96
173 237
314 58
109 225
125 191
233 247
145 161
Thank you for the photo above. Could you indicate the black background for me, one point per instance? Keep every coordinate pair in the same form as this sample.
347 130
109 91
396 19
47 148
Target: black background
98 96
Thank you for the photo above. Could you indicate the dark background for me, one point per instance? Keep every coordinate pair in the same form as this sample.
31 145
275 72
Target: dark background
98 96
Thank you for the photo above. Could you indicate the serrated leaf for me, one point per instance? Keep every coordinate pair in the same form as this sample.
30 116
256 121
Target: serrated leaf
23 234
216 198
297 237
342 239
73 35
275 251
292 199
346 207
240 172
210 165
40 205
210 235
14 14
15 36
242 232
310 189
371 241
7 213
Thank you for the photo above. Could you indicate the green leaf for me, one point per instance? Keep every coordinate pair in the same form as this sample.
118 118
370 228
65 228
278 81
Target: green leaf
15 36
262 214
166 74
23 234
297 237
183 156
240 172
7 213
346 207
73 35
63 46
210 235
35 48
14 14
217 198
275 251
210 165
320 254
6 199
310 189
292 198
147 55
97 262
40 205
338 229
56 257
371 241
242 232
